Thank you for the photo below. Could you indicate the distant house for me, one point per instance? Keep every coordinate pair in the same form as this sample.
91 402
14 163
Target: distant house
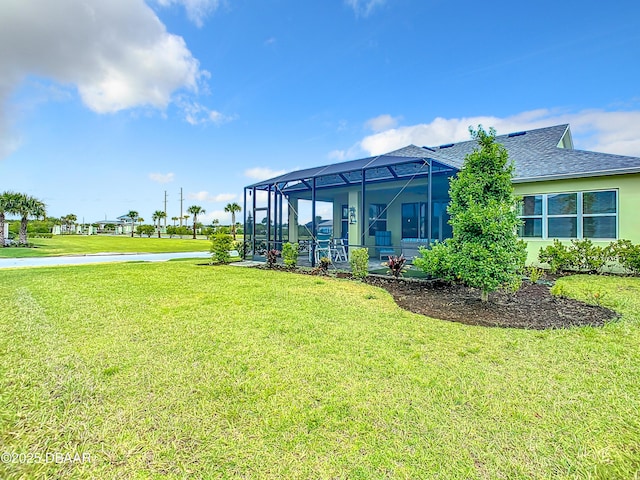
566 193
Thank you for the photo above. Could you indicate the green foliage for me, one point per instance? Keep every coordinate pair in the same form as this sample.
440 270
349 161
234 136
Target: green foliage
147 230
290 254
557 256
559 290
438 261
485 252
534 274
396 265
579 255
359 262
221 243
323 266
627 255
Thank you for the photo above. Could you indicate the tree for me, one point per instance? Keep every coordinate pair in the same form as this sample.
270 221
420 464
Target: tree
68 221
233 208
8 205
485 252
133 216
195 210
28 206
174 219
157 216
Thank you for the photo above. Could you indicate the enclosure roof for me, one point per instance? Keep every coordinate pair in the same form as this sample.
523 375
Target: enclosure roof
538 155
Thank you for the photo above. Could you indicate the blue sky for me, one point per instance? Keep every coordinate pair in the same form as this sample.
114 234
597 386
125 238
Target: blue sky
106 104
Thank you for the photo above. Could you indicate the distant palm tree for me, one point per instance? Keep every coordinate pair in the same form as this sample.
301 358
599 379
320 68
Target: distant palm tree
28 206
157 216
68 221
174 219
133 216
195 210
233 208
8 204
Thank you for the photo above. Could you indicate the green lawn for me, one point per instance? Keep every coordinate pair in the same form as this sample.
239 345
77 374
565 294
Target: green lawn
183 370
81 244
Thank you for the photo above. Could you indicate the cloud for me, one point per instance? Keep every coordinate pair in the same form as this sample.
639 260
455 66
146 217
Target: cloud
197 114
597 130
197 10
262 173
205 196
382 122
363 8
117 54
162 177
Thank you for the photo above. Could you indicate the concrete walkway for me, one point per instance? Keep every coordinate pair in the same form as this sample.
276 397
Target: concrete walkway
97 258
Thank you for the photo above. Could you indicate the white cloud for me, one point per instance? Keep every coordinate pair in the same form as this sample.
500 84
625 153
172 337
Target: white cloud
363 8
116 53
197 114
162 177
197 10
598 130
205 196
382 122
262 173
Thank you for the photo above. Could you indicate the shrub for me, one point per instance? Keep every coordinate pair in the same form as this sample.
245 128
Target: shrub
359 262
557 256
272 257
436 261
585 256
171 231
220 245
627 255
323 266
290 254
147 230
534 274
396 265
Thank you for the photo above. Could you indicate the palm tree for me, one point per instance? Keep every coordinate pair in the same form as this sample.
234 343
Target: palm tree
8 202
28 206
174 219
157 216
133 216
68 221
233 208
195 210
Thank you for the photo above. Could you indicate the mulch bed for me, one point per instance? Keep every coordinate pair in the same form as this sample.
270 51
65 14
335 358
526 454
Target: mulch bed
532 307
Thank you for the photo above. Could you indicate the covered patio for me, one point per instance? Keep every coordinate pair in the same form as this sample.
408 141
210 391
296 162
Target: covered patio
390 204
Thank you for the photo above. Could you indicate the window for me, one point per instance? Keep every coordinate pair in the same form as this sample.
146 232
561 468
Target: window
344 222
377 218
570 215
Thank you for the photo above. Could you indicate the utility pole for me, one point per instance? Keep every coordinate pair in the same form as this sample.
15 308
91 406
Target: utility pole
165 210
180 218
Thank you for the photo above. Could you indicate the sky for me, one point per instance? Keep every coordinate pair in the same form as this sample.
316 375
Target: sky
105 105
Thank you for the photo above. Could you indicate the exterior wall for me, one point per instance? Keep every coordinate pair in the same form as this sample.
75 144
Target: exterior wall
628 187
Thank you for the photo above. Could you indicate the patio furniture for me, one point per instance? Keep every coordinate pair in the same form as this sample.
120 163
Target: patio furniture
383 244
340 250
323 247
411 247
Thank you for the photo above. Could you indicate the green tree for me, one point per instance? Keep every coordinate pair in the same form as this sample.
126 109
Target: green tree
157 216
195 210
68 221
233 208
485 252
28 206
133 216
8 205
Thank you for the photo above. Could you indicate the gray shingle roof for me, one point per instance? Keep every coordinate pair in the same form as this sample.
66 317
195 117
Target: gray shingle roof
537 155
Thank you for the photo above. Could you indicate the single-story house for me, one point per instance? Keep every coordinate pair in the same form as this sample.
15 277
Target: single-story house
398 201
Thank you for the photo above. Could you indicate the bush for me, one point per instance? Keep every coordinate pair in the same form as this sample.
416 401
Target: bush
534 274
147 230
41 235
221 243
323 266
626 254
557 256
290 254
272 257
359 262
396 265
437 261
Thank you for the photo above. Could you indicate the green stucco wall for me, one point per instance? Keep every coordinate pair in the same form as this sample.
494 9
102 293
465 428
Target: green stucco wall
628 187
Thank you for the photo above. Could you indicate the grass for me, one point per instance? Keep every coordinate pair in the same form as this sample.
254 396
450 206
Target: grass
81 244
182 370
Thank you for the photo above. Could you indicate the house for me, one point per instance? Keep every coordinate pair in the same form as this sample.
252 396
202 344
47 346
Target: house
402 196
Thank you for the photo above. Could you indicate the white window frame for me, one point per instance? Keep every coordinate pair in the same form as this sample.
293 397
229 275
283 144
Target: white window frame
579 215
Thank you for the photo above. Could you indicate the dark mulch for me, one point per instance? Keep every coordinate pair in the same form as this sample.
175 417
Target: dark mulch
532 307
